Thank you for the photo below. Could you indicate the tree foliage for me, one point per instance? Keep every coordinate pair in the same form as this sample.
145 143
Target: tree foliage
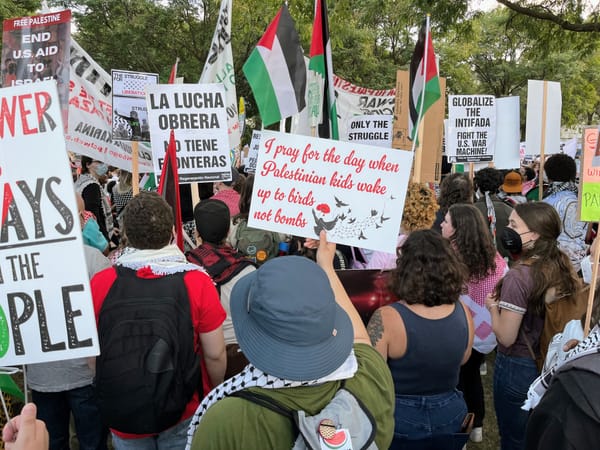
17 8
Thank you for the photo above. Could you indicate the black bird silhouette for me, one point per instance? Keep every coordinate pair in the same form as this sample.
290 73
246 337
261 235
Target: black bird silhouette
361 236
352 220
323 224
339 203
377 226
373 212
342 216
383 219
392 197
349 211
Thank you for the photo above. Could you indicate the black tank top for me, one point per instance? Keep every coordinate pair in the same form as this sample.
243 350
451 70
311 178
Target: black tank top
434 352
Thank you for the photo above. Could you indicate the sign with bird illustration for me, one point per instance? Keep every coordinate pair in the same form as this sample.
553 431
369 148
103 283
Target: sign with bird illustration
354 192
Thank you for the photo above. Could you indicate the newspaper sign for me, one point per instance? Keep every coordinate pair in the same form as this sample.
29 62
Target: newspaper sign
371 130
471 128
36 49
130 114
253 151
90 116
355 192
196 112
46 310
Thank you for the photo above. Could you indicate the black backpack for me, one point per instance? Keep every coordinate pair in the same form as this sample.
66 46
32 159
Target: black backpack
147 371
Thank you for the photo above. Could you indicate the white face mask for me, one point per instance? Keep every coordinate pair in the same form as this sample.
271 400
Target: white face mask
586 269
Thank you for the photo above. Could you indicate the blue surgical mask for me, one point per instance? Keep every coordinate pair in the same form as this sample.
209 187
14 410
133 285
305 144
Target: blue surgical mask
101 169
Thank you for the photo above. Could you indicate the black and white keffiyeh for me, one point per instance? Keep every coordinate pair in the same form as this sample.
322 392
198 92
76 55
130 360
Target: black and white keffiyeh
164 261
253 377
590 345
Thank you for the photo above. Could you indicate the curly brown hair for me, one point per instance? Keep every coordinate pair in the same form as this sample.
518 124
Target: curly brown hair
428 271
472 240
549 266
455 188
148 221
420 207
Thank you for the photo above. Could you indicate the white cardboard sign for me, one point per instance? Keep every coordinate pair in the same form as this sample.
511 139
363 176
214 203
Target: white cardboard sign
371 130
536 114
197 114
353 191
46 310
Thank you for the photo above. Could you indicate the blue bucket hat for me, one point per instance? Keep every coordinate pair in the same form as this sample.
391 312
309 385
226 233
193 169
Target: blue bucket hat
287 321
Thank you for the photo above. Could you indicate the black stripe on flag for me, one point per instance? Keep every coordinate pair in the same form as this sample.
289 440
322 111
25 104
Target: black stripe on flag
294 57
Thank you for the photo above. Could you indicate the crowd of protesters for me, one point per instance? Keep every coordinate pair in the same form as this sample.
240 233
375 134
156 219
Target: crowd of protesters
276 340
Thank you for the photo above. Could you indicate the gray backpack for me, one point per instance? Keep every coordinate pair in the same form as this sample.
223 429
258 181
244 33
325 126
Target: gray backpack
343 411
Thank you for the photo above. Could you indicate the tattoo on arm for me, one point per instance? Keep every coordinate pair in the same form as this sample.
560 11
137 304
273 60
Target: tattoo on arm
375 328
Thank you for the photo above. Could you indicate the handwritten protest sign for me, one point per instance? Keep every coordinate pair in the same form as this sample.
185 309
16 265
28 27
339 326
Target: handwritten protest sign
589 179
355 192
130 114
46 311
371 130
90 116
197 114
471 128
35 49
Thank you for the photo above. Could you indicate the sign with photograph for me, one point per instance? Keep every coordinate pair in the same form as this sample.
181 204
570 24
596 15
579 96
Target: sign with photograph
36 48
130 114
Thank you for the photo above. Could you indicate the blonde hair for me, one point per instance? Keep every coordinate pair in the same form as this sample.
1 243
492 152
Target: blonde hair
420 207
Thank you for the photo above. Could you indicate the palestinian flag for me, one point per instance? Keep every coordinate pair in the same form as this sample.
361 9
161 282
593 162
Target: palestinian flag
168 188
276 71
321 64
424 80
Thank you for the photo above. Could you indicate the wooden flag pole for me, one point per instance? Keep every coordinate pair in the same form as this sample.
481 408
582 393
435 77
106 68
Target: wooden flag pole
471 170
543 143
135 168
418 153
590 304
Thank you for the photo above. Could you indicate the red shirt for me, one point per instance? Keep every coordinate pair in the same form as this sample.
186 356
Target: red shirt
207 316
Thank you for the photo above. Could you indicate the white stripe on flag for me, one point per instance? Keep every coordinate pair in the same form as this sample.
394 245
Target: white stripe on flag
280 78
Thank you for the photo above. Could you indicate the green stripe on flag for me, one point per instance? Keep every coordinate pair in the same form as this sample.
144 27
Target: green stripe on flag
317 64
258 77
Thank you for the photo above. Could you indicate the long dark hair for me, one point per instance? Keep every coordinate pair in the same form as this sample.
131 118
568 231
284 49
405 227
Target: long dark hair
245 199
472 240
549 266
428 271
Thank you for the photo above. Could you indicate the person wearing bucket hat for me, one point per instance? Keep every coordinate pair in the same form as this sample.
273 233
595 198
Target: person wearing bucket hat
304 340
511 189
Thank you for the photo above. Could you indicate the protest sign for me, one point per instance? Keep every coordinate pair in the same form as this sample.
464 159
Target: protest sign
130 114
253 151
196 112
371 130
219 68
589 179
90 116
544 108
508 133
355 192
351 100
471 128
35 49
46 310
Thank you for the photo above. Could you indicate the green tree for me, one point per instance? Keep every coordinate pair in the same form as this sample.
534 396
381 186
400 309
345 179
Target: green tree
18 8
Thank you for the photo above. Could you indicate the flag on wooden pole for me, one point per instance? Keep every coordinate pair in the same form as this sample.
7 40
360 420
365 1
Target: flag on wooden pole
424 80
173 74
168 188
276 70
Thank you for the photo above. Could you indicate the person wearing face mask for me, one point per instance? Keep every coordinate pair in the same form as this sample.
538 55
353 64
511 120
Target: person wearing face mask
93 195
518 306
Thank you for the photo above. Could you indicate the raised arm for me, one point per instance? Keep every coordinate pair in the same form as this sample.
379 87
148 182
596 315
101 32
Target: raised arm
325 255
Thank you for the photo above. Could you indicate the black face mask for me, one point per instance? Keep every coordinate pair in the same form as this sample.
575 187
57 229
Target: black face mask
511 240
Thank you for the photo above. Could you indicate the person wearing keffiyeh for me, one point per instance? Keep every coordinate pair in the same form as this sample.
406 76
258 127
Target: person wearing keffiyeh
495 211
561 171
